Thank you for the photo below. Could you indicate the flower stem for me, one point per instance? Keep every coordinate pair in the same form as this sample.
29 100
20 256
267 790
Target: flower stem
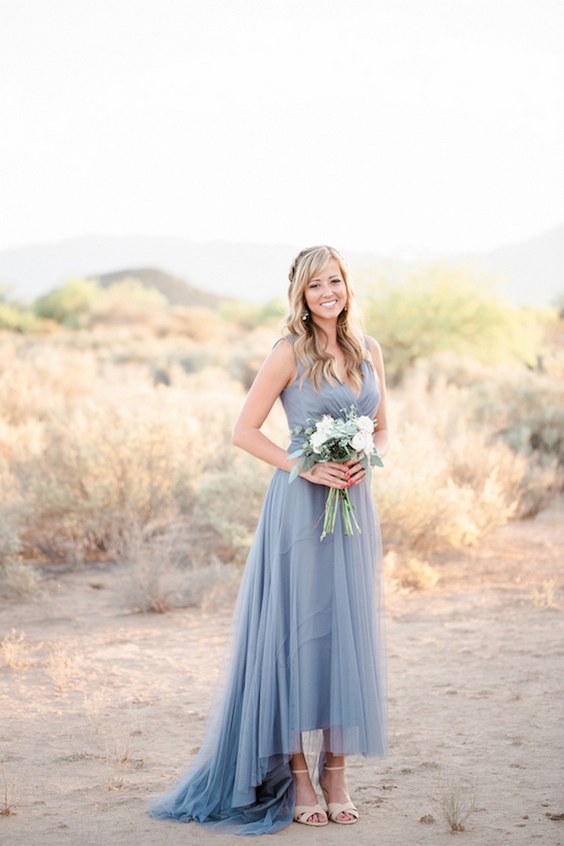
347 512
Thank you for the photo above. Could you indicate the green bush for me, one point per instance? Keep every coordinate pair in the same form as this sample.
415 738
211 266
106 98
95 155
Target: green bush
72 304
443 308
17 319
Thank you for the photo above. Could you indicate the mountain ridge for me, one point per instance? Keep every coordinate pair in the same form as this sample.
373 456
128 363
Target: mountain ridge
532 270
176 290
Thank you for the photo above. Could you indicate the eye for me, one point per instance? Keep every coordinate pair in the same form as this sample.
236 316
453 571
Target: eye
313 285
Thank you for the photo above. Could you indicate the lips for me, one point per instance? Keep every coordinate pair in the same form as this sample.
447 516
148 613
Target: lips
328 304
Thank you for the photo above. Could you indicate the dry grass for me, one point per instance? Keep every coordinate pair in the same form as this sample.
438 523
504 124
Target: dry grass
419 575
111 440
455 802
17 653
62 667
94 705
117 747
451 477
163 569
404 573
544 596
20 580
7 808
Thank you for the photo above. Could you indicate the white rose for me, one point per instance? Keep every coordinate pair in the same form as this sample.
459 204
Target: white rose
365 424
317 440
362 442
359 441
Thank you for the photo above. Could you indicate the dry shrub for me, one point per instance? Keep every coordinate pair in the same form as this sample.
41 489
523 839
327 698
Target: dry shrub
19 443
107 468
450 476
7 808
247 356
455 802
78 473
16 652
93 451
229 503
116 744
95 702
127 302
543 597
39 378
419 575
19 581
427 501
11 526
62 667
405 573
524 407
164 571
200 324
154 578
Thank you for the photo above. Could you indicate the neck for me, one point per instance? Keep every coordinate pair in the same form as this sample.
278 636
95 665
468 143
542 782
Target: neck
330 330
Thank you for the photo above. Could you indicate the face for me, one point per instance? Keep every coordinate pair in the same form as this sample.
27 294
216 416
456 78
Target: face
326 293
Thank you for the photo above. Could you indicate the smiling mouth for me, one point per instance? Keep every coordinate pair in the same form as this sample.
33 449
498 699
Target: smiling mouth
329 304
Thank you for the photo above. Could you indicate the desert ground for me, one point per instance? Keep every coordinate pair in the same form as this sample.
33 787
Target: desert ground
101 708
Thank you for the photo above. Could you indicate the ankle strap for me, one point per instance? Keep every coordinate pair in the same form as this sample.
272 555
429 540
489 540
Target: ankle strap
299 771
334 769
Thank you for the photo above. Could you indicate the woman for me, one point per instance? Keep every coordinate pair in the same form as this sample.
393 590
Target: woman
305 662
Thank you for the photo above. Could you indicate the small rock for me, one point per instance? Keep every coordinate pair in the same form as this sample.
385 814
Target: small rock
427 819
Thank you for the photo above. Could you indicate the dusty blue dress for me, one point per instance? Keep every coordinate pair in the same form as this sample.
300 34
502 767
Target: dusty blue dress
306 647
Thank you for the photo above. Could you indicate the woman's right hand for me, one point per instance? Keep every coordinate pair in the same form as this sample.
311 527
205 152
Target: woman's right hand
328 473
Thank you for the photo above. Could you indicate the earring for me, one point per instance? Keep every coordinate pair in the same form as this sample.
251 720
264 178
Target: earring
305 316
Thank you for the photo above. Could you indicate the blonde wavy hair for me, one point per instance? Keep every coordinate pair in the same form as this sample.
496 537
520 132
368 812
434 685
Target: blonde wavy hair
310 339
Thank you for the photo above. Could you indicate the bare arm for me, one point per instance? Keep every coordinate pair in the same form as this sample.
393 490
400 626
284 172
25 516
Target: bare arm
278 370
381 434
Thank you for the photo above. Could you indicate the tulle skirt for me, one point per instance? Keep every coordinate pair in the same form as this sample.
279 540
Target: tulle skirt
305 664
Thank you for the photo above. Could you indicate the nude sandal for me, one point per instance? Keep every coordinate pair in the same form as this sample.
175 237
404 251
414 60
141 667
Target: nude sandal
304 813
336 808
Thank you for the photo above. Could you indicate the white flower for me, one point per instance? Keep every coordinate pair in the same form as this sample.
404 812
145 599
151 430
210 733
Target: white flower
325 425
365 424
317 440
362 442
323 431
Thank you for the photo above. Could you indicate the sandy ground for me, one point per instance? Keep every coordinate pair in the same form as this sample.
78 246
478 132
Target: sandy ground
110 705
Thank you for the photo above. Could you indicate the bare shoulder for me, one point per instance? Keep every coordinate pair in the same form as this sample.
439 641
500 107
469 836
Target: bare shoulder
375 351
280 364
284 349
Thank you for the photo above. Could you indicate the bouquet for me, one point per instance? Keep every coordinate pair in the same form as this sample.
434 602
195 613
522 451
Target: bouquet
327 439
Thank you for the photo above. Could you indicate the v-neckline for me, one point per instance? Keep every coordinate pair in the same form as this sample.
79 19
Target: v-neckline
349 389
346 385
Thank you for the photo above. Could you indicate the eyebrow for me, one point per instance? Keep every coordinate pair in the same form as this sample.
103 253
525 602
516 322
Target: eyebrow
318 279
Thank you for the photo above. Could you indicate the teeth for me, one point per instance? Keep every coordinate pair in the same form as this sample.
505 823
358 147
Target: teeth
329 305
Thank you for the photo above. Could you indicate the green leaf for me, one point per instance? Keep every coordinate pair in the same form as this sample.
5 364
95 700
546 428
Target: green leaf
294 472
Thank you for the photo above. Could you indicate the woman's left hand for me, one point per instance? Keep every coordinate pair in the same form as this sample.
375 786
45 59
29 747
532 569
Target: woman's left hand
356 472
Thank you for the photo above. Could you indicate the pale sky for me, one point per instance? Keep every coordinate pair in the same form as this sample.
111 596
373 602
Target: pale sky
395 126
